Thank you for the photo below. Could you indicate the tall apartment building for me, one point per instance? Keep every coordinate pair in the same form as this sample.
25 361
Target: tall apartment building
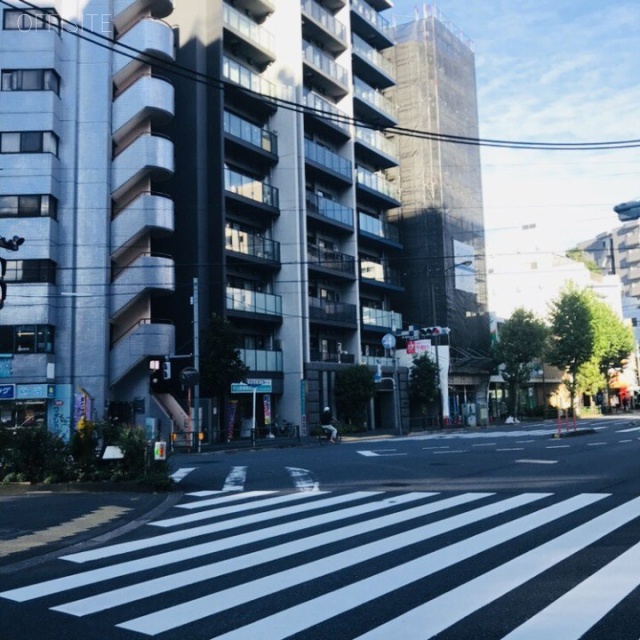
442 221
79 161
285 206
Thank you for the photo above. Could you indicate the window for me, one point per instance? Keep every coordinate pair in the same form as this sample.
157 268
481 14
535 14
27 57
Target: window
29 142
28 206
31 80
31 20
27 338
31 271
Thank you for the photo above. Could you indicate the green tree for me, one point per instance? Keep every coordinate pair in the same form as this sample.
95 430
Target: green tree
423 384
220 362
573 337
353 390
521 340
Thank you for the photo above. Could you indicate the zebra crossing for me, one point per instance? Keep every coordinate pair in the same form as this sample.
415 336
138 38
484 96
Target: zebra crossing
369 565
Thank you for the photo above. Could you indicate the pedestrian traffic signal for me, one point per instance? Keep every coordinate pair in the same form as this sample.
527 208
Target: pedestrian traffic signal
166 370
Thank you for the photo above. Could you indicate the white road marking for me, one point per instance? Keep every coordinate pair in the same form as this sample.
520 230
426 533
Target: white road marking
236 479
224 497
379 453
524 460
303 479
181 473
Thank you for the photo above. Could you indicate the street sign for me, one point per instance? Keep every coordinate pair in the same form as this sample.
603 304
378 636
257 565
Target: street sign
262 386
389 341
189 377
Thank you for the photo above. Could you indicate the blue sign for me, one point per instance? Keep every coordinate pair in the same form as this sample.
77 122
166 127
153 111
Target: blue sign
7 391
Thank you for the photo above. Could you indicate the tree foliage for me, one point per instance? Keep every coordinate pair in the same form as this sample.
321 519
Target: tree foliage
521 340
423 384
353 390
220 362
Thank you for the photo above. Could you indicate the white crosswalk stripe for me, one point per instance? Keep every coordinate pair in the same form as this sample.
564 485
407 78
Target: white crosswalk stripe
349 557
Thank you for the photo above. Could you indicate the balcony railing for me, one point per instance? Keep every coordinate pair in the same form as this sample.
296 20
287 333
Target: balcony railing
373 18
249 29
377 227
377 182
243 76
373 56
381 318
321 310
327 158
329 209
249 132
370 270
363 91
322 106
251 245
377 140
262 360
253 302
329 259
326 64
325 18
251 188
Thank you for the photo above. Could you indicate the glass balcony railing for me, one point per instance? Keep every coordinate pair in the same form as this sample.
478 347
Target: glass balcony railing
253 302
329 209
373 56
377 182
326 64
377 227
373 18
373 361
322 106
251 188
332 311
363 91
249 132
243 25
324 18
329 259
252 245
327 158
241 75
381 318
262 360
370 270
377 140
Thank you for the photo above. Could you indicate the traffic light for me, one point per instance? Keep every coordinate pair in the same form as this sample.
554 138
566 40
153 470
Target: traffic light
166 370
439 334
12 244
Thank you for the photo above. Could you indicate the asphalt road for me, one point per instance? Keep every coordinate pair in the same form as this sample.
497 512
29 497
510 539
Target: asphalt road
491 533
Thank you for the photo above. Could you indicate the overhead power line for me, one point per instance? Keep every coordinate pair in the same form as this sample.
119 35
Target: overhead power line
187 73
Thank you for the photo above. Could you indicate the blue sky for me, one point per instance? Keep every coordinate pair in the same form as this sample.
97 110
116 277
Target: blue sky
552 71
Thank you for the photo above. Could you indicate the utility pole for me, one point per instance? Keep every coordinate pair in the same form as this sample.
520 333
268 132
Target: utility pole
196 363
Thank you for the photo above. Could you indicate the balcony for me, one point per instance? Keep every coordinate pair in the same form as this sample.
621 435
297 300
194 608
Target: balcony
338 313
372 146
377 188
372 106
245 78
326 115
149 98
148 157
247 38
324 72
247 245
629 257
320 25
380 319
147 38
148 213
329 211
331 262
370 25
370 65
146 339
250 190
332 356
147 272
127 12
334 168
377 274
260 9
262 360
245 137
254 303
378 229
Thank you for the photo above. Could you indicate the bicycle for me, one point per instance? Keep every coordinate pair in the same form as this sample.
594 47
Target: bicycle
324 435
